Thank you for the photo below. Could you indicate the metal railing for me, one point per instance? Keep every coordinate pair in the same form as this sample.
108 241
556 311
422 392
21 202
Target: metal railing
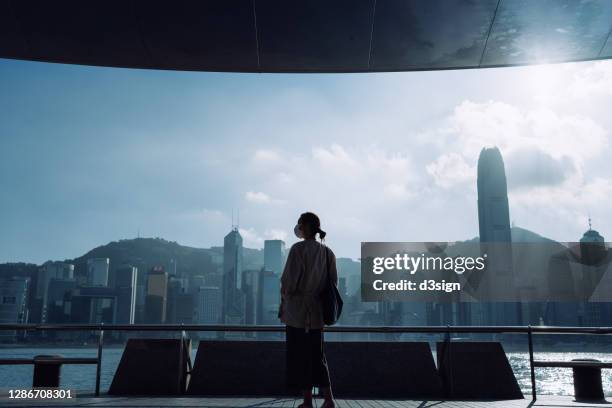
183 328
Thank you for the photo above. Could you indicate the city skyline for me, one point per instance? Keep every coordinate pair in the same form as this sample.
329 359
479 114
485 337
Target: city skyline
105 285
97 154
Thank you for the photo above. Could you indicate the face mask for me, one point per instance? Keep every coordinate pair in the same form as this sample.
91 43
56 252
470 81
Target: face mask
297 231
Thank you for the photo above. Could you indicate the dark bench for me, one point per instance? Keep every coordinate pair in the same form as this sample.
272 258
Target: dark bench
153 367
358 369
476 370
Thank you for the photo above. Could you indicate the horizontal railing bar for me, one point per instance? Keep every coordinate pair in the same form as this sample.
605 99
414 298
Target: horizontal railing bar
63 360
572 364
332 329
16 361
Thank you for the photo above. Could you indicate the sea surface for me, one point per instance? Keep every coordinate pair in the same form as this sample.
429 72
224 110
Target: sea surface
553 381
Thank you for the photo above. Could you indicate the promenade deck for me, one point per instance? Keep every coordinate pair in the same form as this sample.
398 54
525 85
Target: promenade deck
245 402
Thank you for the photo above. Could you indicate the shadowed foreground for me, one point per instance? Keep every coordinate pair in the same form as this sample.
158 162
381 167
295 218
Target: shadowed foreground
87 401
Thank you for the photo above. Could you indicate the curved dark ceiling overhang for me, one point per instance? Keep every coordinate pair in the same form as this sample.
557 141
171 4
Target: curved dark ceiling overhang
305 35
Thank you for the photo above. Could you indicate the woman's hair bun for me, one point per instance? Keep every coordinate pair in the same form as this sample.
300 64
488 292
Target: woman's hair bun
313 221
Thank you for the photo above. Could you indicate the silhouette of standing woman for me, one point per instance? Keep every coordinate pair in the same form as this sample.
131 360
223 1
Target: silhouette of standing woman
308 266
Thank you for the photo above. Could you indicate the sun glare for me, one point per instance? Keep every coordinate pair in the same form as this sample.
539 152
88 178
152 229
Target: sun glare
543 80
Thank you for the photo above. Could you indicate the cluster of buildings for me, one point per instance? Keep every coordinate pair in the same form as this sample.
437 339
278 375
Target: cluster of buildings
238 295
228 294
58 296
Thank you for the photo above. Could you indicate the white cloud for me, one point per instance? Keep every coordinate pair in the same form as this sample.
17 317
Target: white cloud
476 125
335 173
266 156
276 233
393 167
259 197
575 195
569 139
253 239
591 81
335 157
562 211
285 177
398 191
529 168
450 170
250 238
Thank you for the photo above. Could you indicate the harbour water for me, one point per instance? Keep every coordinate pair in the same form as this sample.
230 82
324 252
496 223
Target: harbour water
552 381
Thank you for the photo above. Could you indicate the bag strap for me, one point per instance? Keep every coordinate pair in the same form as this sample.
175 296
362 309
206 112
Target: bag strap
299 280
326 277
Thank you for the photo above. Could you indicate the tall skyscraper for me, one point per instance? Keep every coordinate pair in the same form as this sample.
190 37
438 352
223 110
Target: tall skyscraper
232 258
50 270
273 255
595 258
179 301
250 291
592 252
495 238
59 291
233 299
184 308
493 210
157 295
13 303
208 305
93 304
97 271
593 237
268 297
125 284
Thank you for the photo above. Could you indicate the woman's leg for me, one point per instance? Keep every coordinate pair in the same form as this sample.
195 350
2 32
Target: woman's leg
299 367
328 397
320 369
308 398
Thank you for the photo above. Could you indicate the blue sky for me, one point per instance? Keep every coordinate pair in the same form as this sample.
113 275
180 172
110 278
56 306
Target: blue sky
91 155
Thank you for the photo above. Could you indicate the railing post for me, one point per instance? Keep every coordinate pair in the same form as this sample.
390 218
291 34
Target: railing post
531 365
447 341
99 365
187 355
181 356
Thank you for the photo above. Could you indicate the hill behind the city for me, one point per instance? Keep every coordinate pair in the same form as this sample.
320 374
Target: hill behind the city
146 253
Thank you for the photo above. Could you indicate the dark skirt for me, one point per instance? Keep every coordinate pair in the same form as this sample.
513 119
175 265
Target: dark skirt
306 363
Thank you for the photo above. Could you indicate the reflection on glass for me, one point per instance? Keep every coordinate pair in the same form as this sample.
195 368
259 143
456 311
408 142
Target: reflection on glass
547 30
